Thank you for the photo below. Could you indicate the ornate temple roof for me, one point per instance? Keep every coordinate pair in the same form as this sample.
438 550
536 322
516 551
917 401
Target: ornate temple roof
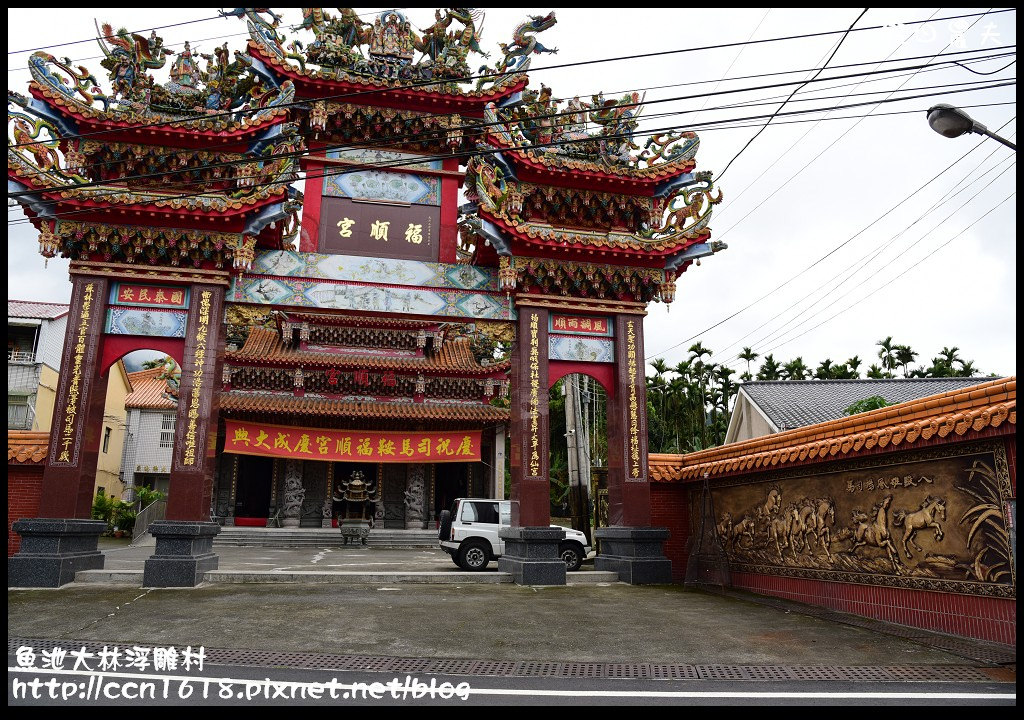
236 402
354 54
264 346
297 316
957 415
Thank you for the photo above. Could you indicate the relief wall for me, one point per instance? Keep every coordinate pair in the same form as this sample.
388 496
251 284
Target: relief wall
932 520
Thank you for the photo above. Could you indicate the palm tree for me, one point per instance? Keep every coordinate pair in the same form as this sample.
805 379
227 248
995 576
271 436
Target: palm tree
825 370
796 369
842 371
746 377
888 355
939 368
770 369
949 355
659 366
854 363
725 384
876 373
967 369
905 356
750 356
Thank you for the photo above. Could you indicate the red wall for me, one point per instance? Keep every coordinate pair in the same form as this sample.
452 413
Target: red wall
670 508
993 619
24 488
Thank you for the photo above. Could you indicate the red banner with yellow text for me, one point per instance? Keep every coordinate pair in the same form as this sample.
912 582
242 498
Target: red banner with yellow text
283 441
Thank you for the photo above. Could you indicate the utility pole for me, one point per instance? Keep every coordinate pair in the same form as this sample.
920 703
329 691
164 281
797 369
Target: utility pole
577 440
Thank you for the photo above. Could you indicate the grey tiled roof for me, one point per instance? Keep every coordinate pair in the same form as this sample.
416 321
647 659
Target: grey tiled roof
796 403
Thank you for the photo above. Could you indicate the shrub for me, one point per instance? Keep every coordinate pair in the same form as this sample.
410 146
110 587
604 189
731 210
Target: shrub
871 403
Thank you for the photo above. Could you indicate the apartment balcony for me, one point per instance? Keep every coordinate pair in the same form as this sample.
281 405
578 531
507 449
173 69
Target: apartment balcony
22 377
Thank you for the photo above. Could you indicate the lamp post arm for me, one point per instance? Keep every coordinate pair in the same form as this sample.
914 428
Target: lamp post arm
982 130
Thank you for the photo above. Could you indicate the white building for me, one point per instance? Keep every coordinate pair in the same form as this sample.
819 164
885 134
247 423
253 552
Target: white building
150 434
35 340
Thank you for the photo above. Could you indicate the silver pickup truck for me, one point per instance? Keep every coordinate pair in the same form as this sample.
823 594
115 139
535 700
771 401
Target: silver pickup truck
469 534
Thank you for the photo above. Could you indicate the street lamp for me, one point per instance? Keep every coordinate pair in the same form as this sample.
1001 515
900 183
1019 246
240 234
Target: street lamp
953 122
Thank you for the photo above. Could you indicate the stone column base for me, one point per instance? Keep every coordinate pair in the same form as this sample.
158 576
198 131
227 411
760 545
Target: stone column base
183 555
635 554
531 555
53 550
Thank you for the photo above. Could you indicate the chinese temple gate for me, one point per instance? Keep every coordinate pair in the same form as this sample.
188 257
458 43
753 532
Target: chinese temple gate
360 340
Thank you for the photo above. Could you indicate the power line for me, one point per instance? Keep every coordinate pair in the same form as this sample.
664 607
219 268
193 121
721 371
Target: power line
808 131
795 91
909 269
870 256
720 235
431 83
72 136
830 252
159 27
89 40
475 127
476 152
829 146
908 248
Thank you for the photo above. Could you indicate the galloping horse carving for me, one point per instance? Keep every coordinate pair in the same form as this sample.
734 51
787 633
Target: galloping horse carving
780 529
814 518
922 518
876 534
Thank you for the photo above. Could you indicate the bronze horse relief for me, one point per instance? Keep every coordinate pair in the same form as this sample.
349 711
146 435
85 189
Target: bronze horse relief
786 524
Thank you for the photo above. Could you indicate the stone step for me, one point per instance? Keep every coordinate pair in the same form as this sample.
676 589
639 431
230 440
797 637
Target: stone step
130 577
322 537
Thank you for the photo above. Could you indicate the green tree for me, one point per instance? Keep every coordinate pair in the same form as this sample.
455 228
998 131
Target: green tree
825 370
871 403
770 369
796 369
749 356
905 356
967 369
854 364
887 354
155 363
876 373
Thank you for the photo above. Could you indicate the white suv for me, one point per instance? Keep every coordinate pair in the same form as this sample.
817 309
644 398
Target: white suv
469 533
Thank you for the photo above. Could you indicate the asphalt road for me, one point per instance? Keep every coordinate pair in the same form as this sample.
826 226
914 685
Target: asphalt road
237 685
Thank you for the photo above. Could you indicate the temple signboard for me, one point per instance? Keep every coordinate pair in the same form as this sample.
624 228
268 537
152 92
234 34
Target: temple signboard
284 441
374 229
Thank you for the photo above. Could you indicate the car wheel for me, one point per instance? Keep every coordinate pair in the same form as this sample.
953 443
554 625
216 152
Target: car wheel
444 526
473 556
572 555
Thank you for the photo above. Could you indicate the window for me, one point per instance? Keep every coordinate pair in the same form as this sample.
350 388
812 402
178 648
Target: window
484 512
106 439
167 431
17 414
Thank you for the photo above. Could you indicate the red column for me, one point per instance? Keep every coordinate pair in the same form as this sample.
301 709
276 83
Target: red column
531 504
449 237
629 492
195 429
70 473
309 235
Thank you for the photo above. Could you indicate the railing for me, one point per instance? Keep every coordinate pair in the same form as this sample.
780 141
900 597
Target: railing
21 357
156 510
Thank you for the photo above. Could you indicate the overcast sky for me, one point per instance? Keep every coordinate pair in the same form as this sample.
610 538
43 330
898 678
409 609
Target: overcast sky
922 268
